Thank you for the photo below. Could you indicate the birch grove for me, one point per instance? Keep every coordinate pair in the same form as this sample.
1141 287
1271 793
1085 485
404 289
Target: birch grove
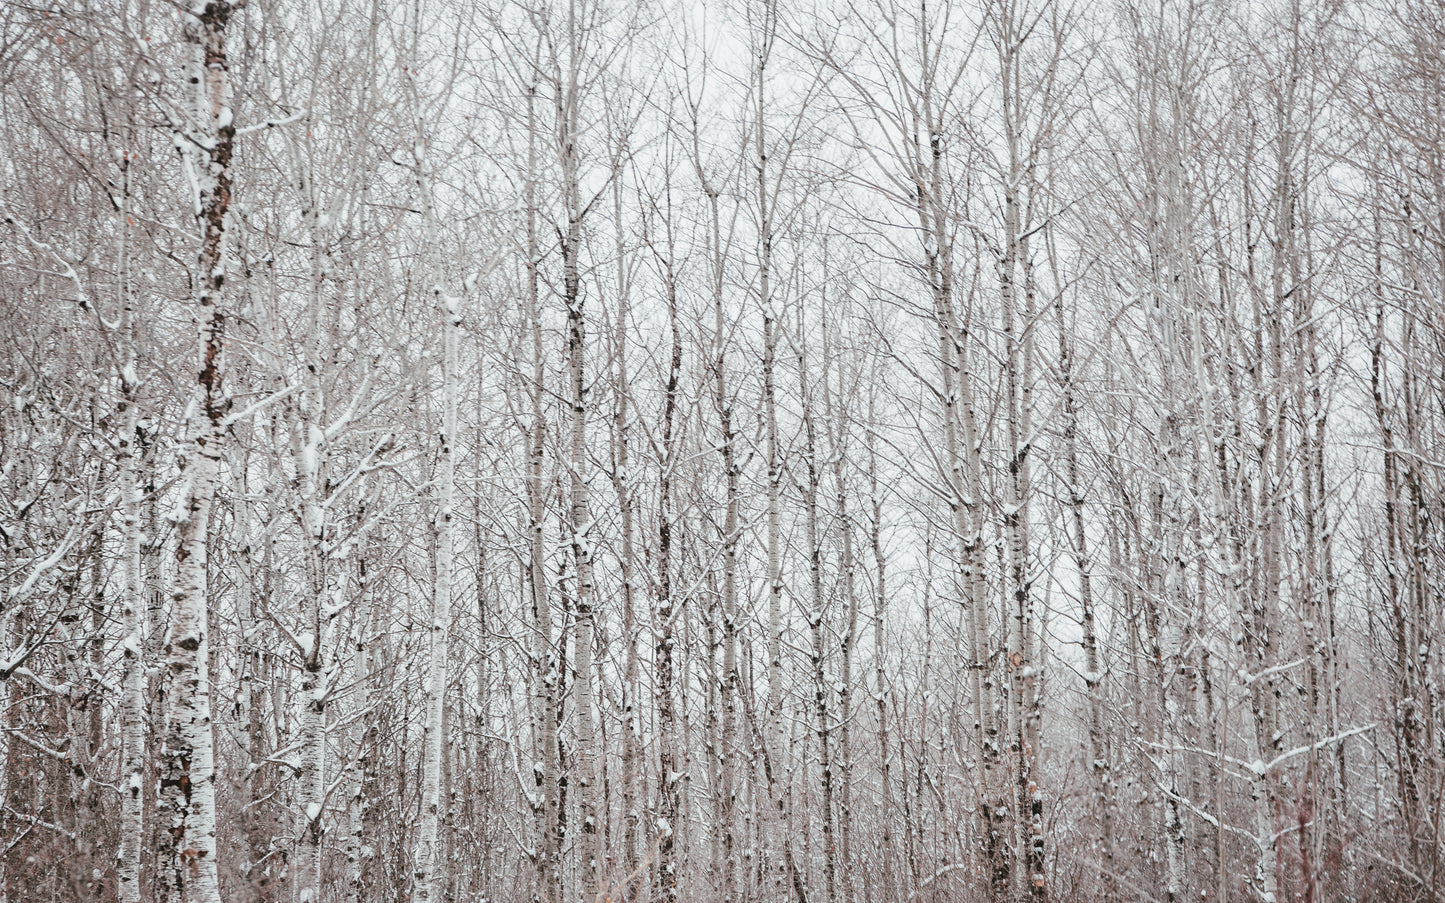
966 450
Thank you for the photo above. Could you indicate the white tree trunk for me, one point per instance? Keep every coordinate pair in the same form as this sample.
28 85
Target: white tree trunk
133 679
773 733
188 773
132 626
427 853
357 790
671 772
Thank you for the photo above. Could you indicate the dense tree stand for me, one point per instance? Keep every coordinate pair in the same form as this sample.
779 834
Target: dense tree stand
739 452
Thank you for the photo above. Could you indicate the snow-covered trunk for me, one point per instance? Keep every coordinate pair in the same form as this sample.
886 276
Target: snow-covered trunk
1022 697
1320 624
544 669
965 482
133 678
816 615
1020 662
382 663
622 485
1422 715
886 888
712 741
727 791
1171 271
95 717
1397 589
1260 508
1302 388
187 811
1100 772
690 720
426 851
132 602
1156 563
250 690
308 453
1261 785
1035 630
669 773
1322 778
312 777
773 734
845 667
188 761
427 856
357 789
1016 292
1294 363
584 775
1168 806
1260 633
544 666
632 751
728 788
774 463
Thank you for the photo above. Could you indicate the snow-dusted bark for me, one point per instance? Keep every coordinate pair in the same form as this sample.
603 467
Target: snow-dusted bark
543 665
187 810
818 653
580 525
132 603
917 120
309 454
728 751
133 680
428 871
1028 59
880 654
964 478
623 485
729 683
1101 783
773 737
427 859
1022 669
848 564
358 793
671 769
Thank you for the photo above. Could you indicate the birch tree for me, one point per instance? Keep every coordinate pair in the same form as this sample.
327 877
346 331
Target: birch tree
188 867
